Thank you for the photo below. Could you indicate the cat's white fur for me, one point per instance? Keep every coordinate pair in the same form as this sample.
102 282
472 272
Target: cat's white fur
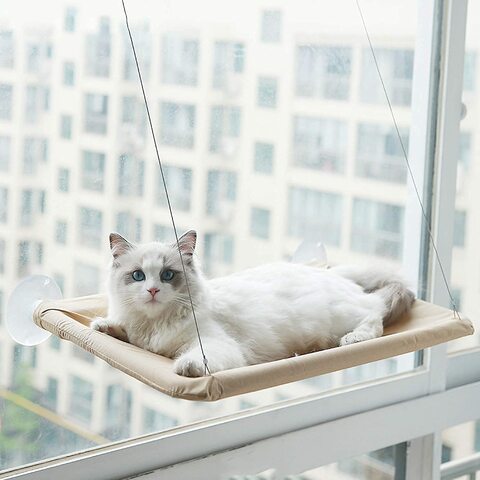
261 314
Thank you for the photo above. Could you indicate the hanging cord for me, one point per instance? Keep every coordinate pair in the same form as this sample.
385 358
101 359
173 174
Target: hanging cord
405 155
205 361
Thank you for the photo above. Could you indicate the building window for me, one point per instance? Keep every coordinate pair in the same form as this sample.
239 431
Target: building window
460 222
68 73
131 176
98 50
96 113
260 223
221 194
228 64
134 120
118 412
61 232
37 102
267 92
380 154
26 208
35 151
6 49
51 394
38 56
86 279
81 399
90 227
271 26
177 125
319 143
179 60
23 258
93 170
69 19
377 228
447 453
263 162
129 226
397 71
154 421
179 183
3 204
315 215
66 126
470 71
323 71
224 130
5 152
63 179
219 248
6 96
143 44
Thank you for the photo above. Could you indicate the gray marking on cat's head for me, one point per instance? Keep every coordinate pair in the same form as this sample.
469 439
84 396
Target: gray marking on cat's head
152 259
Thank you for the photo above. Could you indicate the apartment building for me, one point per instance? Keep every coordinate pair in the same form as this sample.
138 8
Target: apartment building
272 129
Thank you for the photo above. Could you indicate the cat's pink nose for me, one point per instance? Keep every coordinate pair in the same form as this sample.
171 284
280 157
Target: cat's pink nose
153 291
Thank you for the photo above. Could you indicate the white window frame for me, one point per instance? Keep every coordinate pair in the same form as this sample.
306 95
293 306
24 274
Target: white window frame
300 434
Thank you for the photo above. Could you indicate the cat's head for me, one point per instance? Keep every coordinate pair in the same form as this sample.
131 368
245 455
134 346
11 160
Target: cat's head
149 278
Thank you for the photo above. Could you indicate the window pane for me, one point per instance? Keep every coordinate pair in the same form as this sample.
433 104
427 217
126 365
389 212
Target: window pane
272 130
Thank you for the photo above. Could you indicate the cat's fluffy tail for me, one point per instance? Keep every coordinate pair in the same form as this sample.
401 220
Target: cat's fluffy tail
389 285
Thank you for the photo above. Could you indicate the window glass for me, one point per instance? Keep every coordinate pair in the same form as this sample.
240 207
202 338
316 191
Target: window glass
323 71
272 129
267 92
179 60
465 279
177 125
260 222
263 157
319 143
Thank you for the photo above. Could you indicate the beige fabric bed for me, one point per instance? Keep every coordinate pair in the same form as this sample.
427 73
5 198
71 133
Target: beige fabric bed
427 325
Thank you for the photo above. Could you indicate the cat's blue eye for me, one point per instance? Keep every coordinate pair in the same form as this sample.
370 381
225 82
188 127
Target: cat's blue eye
138 276
167 275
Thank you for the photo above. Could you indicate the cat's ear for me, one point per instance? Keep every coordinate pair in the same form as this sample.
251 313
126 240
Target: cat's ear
118 245
187 242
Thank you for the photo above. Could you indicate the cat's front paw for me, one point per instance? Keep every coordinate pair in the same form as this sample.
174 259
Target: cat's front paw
187 366
102 325
354 337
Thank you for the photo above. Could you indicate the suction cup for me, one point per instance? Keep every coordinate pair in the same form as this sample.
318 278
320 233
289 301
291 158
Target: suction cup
23 301
310 251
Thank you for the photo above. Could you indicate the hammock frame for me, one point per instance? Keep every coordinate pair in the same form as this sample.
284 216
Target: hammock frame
425 326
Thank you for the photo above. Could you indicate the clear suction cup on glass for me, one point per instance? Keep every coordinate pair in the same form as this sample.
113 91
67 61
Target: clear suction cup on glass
310 251
23 301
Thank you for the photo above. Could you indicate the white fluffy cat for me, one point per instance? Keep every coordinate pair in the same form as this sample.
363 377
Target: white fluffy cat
257 315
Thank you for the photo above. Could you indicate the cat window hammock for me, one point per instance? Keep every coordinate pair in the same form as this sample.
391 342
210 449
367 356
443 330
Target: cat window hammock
424 326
